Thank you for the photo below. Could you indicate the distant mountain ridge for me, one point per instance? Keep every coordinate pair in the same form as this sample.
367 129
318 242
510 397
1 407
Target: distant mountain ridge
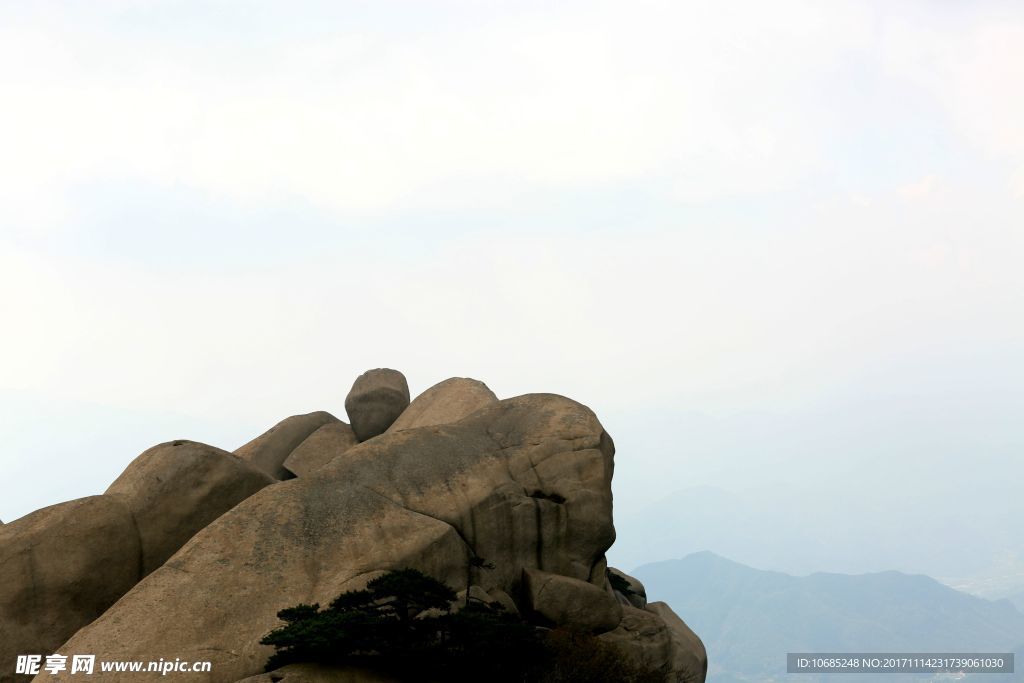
771 527
749 618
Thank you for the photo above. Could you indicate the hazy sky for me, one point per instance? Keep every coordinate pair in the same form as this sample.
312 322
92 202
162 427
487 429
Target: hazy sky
795 227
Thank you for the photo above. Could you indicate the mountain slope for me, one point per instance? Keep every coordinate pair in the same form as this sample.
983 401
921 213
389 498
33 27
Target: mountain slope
750 618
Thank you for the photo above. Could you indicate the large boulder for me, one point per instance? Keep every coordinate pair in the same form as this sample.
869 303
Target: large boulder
650 643
446 402
524 483
60 568
643 638
570 603
689 658
177 488
320 447
269 450
375 401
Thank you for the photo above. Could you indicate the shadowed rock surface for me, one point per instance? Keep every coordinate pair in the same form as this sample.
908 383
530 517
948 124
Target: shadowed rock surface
636 595
314 673
688 654
652 642
375 401
564 601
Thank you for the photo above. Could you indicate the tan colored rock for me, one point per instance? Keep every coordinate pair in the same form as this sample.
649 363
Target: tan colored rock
446 402
637 594
177 488
524 483
315 673
60 568
269 450
375 401
320 447
570 603
689 658
296 541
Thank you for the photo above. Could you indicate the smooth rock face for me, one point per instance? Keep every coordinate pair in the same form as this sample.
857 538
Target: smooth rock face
571 603
177 488
330 440
637 595
446 402
375 401
524 483
689 658
315 673
60 568
269 450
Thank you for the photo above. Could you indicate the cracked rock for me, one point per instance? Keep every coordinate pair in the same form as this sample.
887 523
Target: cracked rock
269 450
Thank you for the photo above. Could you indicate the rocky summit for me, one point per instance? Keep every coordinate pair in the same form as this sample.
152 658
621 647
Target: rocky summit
193 550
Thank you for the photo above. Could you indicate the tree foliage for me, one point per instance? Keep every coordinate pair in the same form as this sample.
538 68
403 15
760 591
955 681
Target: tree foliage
620 584
402 623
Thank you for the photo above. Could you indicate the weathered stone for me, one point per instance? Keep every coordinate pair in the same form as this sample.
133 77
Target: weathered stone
177 488
446 402
269 450
650 643
644 639
689 661
524 483
570 603
334 438
60 568
636 595
316 673
375 401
